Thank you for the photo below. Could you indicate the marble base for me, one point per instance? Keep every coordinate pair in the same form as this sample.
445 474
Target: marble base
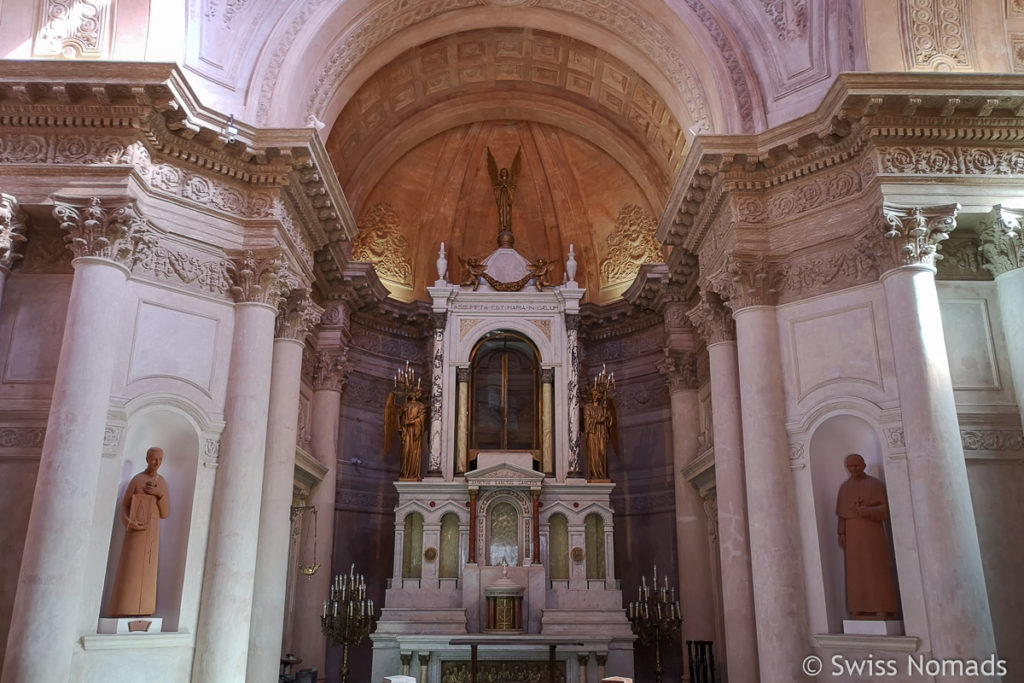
132 625
488 458
873 627
399 679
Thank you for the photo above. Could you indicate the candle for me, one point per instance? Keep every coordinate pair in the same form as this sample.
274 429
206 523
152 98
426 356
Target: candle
324 616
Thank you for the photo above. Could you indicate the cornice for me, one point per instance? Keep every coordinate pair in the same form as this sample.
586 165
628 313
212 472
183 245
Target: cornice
618 319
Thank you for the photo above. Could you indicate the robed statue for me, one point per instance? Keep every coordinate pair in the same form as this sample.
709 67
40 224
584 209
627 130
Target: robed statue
862 507
406 413
601 425
145 503
504 182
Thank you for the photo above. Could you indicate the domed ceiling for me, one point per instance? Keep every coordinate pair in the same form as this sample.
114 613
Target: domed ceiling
599 149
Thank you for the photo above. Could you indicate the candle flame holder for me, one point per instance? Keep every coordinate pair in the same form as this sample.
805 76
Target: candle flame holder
347 616
655 617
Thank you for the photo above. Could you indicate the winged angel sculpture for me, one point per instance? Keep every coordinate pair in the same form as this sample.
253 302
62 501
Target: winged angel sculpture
504 182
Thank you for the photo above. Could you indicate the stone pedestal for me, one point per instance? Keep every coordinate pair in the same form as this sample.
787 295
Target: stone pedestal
130 625
872 628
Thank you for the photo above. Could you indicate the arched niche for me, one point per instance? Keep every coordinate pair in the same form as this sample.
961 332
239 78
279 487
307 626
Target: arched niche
835 438
504 395
179 436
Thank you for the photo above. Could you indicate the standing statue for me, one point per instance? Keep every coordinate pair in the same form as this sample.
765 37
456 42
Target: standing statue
407 417
600 422
145 503
862 507
504 182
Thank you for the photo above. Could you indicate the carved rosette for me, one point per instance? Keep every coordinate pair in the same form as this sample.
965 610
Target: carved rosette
679 370
12 231
330 370
259 279
712 318
297 316
1001 243
749 280
917 231
335 316
115 233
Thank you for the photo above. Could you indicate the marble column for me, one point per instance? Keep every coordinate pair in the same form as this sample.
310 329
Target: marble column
330 374
696 598
547 420
107 241
297 317
12 235
739 651
572 325
780 602
424 658
225 613
1002 247
959 617
462 420
436 395
583 660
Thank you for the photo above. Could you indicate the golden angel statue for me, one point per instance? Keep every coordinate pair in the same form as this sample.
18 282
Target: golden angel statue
404 412
601 425
504 182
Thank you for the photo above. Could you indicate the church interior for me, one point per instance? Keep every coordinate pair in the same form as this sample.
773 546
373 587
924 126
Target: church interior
511 341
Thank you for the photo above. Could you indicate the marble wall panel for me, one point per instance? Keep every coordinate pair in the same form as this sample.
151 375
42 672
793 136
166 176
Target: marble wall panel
173 343
836 346
32 326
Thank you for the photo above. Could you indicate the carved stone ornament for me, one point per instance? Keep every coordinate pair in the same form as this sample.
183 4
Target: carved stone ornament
937 34
679 371
117 233
630 244
1001 243
335 316
297 316
749 280
12 231
72 29
258 279
712 318
380 241
330 370
917 231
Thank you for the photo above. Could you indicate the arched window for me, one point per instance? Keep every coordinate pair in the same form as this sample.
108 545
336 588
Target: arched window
504 528
449 568
505 395
412 547
595 546
558 547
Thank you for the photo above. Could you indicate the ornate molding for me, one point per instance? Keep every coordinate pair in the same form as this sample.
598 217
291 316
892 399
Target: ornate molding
335 316
852 264
331 369
679 370
992 440
72 29
1001 243
962 259
381 241
117 233
749 280
788 18
630 245
204 273
12 231
712 318
21 436
257 280
297 316
951 160
917 231
937 34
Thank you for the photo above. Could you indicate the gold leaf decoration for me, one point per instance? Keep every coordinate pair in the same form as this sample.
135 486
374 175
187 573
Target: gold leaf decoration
380 241
631 243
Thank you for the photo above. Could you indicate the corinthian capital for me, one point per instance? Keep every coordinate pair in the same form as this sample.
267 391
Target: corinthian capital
259 279
749 280
297 315
679 370
712 318
330 370
12 230
1001 243
917 230
116 233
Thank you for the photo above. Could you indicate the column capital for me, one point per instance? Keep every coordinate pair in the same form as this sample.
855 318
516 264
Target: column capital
712 318
115 231
748 279
12 231
330 369
679 370
1001 245
297 316
259 279
917 230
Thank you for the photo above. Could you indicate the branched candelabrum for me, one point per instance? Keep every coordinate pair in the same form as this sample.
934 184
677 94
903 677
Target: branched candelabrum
347 616
655 617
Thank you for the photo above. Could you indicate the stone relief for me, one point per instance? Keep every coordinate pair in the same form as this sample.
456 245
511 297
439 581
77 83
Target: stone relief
788 18
894 437
806 196
335 316
12 231
72 29
1017 51
712 318
630 244
952 160
205 273
46 253
497 672
380 241
331 368
917 231
936 34
117 233
992 440
21 148
679 370
962 259
297 316
749 280
862 262
22 437
257 279
1001 243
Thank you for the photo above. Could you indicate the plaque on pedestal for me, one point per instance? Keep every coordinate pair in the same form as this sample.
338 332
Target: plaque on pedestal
132 625
873 627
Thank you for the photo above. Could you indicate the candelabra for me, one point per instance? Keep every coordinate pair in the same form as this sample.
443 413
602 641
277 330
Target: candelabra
406 382
347 616
604 384
655 619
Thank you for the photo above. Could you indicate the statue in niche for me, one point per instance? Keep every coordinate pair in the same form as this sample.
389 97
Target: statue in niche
862 508
145 502
504 182
601 424
408 418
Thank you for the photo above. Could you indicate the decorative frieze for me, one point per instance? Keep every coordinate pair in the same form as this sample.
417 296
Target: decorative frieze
117 233
297 316
21 436
257 279
331 369
992 440
952 160
201 272
679 371
12 231
917 231
851 264
712 318
1001 243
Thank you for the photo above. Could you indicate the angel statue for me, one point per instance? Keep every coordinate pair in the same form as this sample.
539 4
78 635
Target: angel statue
601 424
504 182
406 413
